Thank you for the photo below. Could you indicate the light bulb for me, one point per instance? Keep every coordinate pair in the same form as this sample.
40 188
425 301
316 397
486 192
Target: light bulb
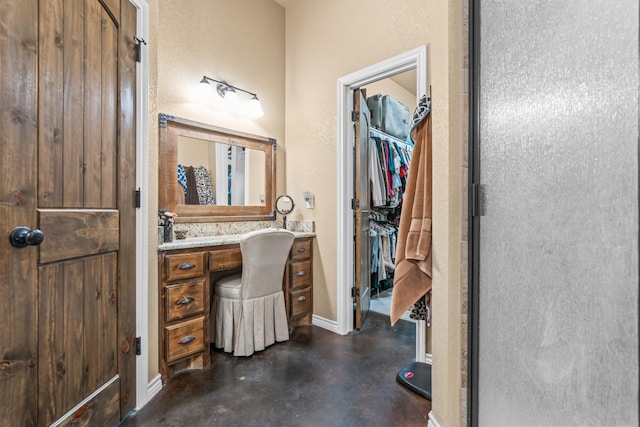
230 96
255 108
204 86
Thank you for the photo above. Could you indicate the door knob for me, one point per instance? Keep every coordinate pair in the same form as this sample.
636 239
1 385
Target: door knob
24 236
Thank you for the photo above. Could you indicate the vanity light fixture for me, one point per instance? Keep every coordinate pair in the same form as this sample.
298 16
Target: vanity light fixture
230 95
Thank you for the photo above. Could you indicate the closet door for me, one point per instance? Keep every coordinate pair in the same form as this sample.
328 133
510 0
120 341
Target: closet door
558 232
361 210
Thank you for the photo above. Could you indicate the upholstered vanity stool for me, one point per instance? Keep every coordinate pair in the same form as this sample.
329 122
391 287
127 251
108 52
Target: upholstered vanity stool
248 309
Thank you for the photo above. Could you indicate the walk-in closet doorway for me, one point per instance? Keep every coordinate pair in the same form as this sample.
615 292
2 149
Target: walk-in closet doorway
381 202
349 182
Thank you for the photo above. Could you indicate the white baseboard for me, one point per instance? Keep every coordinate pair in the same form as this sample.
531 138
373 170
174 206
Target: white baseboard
154 387
321 322
433 422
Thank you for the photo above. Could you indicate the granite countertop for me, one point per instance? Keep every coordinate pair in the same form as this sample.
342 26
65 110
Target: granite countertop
197 242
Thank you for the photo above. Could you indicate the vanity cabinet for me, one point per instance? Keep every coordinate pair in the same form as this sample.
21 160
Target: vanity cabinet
298 286
185 280
184 310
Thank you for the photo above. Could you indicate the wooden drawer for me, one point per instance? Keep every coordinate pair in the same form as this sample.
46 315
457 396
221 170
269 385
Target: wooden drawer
301 275
184 339
300 302
301 250
184 266
184 299
225 259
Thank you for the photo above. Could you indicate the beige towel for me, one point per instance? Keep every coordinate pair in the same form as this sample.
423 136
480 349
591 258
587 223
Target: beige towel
412 278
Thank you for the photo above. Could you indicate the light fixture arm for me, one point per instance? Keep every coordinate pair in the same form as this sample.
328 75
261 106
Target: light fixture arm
226 85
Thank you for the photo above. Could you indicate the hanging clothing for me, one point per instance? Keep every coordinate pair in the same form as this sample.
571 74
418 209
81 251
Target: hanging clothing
204 186
388 167
375 175
182 178
191 197
413 273
421 310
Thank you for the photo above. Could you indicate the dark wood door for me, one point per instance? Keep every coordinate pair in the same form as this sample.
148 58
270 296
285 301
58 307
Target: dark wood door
361 194
67 133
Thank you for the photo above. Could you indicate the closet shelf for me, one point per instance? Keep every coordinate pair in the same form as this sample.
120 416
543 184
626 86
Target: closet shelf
378 132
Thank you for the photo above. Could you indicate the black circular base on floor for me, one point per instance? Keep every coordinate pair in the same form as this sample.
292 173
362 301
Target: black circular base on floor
416 376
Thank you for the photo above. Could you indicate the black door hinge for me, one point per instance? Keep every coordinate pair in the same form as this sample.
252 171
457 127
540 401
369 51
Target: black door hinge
138 346
139 43
355 292
477 200
138 198
355 204
355 116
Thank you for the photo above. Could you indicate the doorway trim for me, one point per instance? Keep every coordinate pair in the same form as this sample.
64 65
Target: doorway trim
143 394
416 58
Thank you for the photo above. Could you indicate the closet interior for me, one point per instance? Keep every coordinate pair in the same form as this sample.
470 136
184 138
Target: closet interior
390 150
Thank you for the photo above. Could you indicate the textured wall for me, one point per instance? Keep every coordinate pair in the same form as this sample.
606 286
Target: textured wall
559 242
217 38
325 41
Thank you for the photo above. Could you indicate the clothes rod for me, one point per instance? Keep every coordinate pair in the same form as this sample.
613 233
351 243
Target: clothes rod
381 134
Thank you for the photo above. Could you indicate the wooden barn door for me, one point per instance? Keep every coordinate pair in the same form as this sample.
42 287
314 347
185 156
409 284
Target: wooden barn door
67 199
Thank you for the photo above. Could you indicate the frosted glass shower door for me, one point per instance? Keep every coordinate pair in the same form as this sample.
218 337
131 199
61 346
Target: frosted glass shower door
558 240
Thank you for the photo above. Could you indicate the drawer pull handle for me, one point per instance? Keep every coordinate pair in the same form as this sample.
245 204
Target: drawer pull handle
185 300
301 273
186 266
301 298
300 250
187 339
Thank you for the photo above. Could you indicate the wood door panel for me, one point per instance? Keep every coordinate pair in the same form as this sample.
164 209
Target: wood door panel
101 411
92 126
51 97
71 234
101 312
362 256
126 164
60 353
73 166
78 317
18 141
113 7
78 104
68 166
109 130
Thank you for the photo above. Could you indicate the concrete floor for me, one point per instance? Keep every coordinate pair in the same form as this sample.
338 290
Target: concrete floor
381 303
317 378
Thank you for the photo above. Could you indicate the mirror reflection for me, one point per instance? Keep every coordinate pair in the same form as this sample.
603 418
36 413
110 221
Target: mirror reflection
211 174
218 173
284 204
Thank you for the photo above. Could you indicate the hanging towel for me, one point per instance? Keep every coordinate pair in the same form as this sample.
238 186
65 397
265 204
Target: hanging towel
412 279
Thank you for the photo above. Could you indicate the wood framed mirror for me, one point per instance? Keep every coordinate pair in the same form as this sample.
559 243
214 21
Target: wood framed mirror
212 174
